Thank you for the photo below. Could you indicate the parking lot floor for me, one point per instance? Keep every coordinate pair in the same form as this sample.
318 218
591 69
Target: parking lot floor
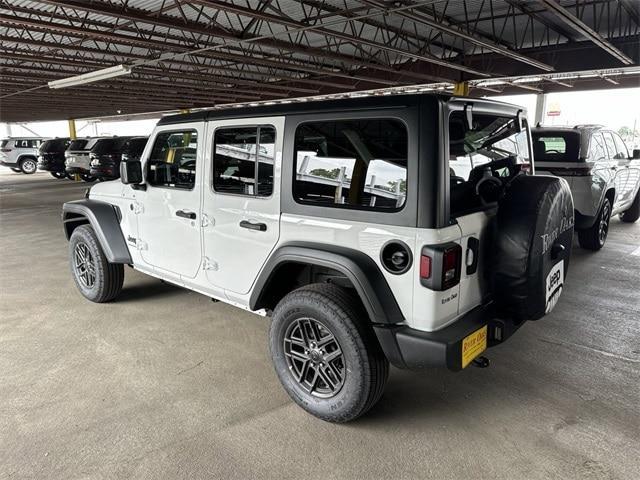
163 383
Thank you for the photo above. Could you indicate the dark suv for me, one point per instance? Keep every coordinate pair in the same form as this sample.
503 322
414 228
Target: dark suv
133 149
51 156
105 157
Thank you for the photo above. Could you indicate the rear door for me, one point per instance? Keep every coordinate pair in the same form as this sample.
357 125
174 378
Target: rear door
618 163
495 136
241 202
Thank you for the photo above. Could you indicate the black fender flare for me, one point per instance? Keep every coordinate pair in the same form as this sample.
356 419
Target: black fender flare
104 219
359 268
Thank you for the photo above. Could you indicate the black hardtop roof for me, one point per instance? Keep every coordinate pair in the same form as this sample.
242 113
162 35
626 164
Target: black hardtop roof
323 106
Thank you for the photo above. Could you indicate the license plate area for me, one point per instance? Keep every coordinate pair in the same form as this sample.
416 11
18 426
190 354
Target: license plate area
473 345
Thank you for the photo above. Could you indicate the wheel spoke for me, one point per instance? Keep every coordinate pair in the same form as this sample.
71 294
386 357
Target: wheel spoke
329 357
325 378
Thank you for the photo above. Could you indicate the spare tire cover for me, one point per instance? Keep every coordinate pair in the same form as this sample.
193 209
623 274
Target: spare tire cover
533 238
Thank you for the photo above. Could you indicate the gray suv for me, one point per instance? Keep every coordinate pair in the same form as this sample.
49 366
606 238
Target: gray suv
604 178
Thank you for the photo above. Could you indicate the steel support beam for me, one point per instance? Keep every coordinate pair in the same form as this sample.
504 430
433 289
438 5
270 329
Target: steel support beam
475 39
579 26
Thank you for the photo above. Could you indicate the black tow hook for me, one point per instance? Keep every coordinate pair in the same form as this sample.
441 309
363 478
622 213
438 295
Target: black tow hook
481 362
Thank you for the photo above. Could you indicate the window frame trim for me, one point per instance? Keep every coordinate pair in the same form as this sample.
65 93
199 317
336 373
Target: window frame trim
213 155
148 158
340 206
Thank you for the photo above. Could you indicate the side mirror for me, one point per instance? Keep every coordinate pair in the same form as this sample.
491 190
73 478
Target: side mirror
131 172
636 154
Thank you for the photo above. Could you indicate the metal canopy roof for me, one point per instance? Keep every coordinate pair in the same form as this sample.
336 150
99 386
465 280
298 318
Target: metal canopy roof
200 53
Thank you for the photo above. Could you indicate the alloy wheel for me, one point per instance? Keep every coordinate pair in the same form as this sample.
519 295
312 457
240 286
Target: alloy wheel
603 227
314 357
29 166
84 265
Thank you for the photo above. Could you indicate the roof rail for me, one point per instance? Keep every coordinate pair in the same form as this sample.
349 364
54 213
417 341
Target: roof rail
589 125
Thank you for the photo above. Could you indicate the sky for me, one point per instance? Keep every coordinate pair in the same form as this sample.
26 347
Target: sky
612 108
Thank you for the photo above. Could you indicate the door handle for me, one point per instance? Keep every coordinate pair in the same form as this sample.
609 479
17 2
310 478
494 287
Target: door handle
186 214
261 227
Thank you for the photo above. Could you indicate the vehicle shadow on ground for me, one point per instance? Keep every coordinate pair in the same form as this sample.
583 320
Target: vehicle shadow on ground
147 290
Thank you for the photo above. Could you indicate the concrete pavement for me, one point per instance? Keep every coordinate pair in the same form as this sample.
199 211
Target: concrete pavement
163 383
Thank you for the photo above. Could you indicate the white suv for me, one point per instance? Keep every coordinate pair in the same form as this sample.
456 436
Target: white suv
604 178
344 222
20 154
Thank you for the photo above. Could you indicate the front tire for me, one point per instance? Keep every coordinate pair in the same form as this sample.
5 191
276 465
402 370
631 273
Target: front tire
96 278
28 166
633 213
58 175
593 238
327 359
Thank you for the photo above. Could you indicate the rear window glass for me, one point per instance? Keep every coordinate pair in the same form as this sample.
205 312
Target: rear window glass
78 144
556 146
109 145
358 164
55 145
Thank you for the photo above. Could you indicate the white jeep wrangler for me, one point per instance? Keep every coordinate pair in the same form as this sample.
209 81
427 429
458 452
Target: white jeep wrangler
405 229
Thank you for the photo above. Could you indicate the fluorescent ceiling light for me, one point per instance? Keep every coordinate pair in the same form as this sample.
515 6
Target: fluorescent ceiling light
91 77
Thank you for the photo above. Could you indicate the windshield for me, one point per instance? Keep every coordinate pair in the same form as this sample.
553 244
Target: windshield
54 145
109 145
556 146
78 144
3 143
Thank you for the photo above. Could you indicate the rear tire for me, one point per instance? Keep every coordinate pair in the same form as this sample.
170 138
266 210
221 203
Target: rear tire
58 175
96 278
87 178
28 165
594 237
633 213
327 359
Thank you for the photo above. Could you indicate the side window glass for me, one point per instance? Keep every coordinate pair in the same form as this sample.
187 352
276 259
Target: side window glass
243 160
352 163
597 149
611 146
172 162
621 148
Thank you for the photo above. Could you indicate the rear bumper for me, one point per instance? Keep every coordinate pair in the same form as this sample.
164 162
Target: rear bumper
406 347
75 169
51 165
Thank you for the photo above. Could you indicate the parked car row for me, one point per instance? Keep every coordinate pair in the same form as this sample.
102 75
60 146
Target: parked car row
93 158
90 159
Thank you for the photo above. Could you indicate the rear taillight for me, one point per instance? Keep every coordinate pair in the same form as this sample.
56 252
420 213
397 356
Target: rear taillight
440 266
571 172
425 267
451 266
